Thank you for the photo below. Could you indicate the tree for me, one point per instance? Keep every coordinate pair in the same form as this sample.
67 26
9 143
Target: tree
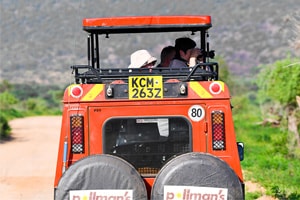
279 85
5 86
280 81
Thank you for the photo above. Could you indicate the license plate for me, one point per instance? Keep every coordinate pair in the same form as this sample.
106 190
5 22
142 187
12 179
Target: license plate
145 87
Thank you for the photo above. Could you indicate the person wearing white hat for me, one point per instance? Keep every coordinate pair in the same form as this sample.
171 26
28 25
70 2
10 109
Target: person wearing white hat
142 59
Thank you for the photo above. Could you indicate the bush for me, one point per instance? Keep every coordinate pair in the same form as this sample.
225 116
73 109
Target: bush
280 81
281 194
4 127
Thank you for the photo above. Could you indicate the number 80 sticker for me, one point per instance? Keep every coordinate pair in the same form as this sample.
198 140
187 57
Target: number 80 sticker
196 113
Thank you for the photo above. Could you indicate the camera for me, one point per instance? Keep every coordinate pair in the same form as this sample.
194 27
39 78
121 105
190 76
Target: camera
210 54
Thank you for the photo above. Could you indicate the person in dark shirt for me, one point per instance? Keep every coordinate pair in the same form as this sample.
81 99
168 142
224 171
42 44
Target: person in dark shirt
186 53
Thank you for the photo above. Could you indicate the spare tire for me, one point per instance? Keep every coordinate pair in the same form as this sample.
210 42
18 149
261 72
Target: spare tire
200 170
101 172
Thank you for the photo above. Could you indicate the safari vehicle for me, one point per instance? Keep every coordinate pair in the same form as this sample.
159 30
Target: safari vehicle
164 133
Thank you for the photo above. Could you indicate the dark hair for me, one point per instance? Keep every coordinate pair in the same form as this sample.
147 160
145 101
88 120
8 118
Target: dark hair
166 51
184 44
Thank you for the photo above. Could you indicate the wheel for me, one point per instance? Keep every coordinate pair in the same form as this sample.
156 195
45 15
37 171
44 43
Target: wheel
200 170
101 172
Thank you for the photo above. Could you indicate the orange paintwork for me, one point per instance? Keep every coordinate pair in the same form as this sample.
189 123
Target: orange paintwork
196 90
100 109
149 183
146 20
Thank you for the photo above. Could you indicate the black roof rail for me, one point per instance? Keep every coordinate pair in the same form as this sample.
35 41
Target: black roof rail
201 72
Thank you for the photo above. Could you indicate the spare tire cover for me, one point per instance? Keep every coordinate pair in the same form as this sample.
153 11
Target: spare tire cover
200 170
101 172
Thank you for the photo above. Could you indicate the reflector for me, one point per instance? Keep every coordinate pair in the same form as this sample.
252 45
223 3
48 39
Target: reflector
76 91
218 130
215 88
77 134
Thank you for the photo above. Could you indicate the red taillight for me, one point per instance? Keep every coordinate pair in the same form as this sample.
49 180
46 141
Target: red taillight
218 130
77 134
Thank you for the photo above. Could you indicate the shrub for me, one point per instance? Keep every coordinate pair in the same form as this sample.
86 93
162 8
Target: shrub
4 127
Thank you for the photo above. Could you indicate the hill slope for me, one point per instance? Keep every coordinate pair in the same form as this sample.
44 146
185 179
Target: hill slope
41 39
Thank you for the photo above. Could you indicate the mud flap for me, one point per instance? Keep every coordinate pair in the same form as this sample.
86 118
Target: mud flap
101 172
197 170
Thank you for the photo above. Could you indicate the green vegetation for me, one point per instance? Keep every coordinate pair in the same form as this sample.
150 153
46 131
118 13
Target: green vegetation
30 99
4 127
267 159
262 122
254 195
280 82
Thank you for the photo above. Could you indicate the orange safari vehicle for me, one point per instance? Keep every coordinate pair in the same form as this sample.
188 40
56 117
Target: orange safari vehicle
164 133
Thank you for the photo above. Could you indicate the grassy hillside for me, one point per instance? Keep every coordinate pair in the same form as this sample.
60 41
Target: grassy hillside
41 39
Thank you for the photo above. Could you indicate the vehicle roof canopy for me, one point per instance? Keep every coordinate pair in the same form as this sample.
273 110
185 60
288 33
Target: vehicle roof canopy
146 24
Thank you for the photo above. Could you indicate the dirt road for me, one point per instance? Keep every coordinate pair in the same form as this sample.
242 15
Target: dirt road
28 160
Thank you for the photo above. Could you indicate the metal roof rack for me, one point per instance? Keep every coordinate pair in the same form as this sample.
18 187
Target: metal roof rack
87 74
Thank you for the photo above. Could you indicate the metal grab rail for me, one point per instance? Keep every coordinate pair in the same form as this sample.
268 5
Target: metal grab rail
87 74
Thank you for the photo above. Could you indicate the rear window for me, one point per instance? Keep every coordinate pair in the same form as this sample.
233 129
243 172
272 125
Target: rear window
147 143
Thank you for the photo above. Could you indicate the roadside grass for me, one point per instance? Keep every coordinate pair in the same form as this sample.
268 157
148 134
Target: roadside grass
253 195
267 159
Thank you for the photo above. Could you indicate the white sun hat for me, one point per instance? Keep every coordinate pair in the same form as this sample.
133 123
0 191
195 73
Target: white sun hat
140 58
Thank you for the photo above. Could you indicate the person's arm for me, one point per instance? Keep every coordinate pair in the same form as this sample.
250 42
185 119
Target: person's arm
194 55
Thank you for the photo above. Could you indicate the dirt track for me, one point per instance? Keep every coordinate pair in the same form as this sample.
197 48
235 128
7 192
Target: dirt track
28 160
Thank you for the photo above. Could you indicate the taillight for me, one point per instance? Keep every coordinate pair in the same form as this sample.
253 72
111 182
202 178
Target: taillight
77 134
218 130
